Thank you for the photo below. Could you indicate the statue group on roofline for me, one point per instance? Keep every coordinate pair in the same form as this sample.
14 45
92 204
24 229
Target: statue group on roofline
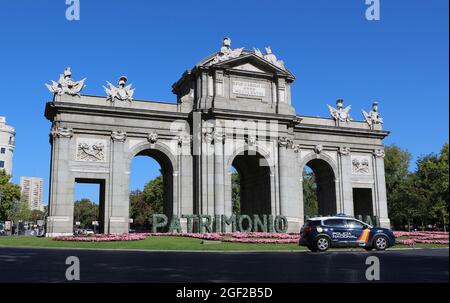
342 114
227 53
123 92
67 86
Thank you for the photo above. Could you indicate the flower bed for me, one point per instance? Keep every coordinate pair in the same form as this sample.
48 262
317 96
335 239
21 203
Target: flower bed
405 238
102 238
239 237
236 237
426 237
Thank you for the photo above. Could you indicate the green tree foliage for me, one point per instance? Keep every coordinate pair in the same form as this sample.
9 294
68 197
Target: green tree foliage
421 197
139 210
431 182
19 211
399 182
311 204
10 193
154 195
85 211
236 193
37 215
143 204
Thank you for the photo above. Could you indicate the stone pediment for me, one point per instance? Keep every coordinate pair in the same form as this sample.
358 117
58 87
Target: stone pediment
249 67
247 61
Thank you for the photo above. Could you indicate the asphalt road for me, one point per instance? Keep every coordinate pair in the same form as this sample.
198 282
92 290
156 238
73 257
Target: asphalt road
48 265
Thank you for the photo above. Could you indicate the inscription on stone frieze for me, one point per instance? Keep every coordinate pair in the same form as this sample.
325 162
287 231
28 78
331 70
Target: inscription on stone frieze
249 88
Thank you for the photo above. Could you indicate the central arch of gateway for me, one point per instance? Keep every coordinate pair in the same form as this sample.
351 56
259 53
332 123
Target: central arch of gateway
233 109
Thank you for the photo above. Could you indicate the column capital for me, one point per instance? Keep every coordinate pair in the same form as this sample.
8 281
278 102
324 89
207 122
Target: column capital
344 151
62 132
218 136
209 137
119 136
184 139
379 153
285 142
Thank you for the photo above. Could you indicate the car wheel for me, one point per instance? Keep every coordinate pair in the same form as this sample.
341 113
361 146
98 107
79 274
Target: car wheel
322 244
380 243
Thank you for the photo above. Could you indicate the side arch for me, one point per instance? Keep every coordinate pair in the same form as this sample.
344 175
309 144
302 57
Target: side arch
257 149
321 156
257 181
326 173
162 154
158 146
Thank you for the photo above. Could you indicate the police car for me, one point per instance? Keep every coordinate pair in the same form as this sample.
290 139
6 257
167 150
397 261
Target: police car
321 233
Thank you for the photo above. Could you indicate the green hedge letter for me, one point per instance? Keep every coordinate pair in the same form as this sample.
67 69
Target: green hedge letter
175 225
155 224
281 224
228 221
204 225
258 225
241 224
189 222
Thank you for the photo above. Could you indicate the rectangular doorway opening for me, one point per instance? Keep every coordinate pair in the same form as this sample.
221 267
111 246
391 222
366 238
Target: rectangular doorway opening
89 205
362 202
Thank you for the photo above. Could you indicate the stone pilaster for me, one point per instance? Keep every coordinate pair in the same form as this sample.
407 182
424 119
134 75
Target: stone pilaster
60 219
289 185
116 211
380 188
219 182
346 191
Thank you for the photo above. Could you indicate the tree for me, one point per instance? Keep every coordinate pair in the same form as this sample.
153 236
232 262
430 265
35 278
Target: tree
85 211
19 211
236 193
9 193
139 210
311 204
399 182
432 185
420 197
154 195
37 215
143 204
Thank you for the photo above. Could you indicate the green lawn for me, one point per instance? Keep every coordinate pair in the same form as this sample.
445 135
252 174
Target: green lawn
161 243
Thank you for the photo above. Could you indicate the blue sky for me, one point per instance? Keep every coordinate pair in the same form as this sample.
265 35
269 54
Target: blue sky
401 60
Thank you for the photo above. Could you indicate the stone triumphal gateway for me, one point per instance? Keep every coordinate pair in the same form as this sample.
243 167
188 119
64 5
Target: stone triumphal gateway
233 111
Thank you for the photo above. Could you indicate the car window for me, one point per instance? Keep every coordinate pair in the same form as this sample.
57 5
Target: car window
354 224
312 223
334 222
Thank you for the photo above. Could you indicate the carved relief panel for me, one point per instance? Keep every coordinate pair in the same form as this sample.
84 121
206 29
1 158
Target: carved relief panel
360 165
91 150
